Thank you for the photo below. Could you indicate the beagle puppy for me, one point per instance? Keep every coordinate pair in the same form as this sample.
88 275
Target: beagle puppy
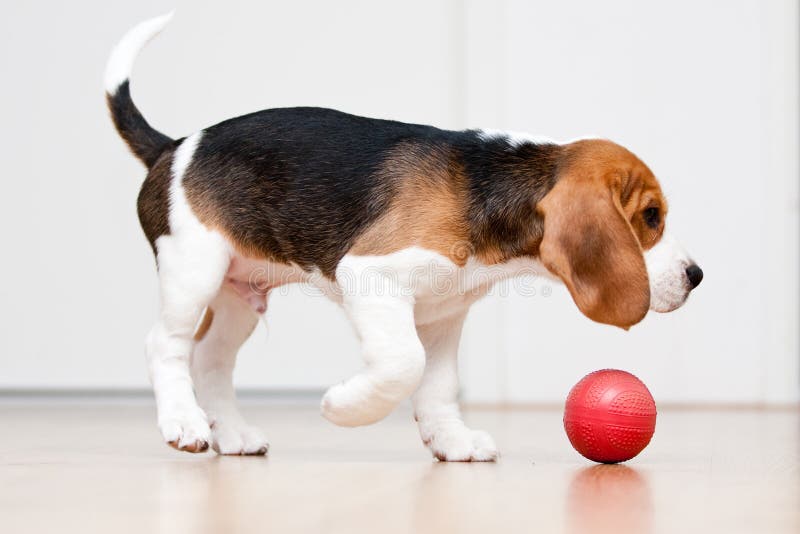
404 225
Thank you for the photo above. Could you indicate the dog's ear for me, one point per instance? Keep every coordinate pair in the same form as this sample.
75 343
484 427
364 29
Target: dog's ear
590 244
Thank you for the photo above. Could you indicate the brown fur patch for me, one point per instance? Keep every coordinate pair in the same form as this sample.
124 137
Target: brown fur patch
153 201
595 231
428 208
208 212
204 325
620 170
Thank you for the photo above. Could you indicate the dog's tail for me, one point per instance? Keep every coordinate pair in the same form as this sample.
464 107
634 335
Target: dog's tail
145 142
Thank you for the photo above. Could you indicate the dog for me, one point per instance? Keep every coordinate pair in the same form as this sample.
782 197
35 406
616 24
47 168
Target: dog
404 225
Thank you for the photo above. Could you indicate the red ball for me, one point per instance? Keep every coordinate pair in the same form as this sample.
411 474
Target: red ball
610 416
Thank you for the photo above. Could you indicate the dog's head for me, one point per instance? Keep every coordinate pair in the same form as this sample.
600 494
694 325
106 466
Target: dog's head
604 236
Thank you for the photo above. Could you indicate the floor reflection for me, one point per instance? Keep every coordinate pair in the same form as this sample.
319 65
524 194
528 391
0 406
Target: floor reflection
441 505
609 498
206 495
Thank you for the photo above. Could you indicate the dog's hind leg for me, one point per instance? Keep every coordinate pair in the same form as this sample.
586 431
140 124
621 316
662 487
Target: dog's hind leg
192 262
228 322
186 289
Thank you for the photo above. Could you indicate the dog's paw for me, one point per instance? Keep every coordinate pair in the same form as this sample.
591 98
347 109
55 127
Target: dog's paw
460 444
231 437
354 403
185 429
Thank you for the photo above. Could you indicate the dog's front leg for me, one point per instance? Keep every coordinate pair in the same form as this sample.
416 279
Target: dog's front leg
436 400
383 317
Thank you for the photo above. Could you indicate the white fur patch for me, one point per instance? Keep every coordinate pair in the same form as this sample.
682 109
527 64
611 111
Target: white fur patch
120 63
182 220
666 267
515 139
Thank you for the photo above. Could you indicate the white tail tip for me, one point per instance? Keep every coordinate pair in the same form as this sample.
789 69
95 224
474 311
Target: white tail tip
124 54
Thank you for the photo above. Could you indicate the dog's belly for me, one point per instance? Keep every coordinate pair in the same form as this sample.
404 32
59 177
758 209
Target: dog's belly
253 279
440 288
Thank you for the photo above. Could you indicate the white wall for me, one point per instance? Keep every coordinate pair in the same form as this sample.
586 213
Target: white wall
706 94
708 100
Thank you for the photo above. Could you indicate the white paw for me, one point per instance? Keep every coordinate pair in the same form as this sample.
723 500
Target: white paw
460 444
355 403
185 429
237 438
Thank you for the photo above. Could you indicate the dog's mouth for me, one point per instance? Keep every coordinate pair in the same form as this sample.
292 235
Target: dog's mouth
666 297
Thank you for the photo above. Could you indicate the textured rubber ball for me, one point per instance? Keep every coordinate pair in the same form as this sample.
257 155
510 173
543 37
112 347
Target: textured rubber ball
610 416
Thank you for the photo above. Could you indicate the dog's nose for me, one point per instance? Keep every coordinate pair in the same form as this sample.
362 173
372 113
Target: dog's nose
695 275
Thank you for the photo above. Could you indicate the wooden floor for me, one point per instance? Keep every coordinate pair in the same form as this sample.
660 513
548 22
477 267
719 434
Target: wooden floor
102 468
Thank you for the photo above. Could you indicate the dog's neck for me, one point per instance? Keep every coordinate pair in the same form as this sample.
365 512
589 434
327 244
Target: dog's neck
506 180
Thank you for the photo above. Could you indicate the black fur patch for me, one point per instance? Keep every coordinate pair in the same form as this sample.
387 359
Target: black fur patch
145 142
506 182
301 184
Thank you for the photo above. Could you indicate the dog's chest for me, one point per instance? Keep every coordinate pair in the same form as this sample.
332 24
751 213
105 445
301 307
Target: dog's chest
439 288
432 309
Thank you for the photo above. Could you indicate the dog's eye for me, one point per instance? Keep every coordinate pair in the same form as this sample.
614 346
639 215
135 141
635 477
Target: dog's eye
652 217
